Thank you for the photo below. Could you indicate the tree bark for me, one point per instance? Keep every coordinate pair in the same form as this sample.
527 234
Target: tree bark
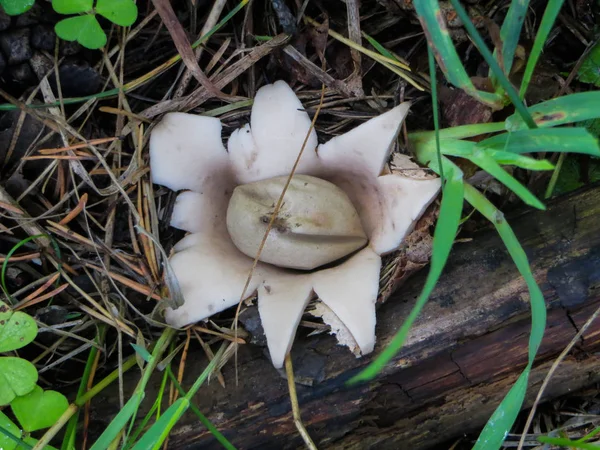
465 351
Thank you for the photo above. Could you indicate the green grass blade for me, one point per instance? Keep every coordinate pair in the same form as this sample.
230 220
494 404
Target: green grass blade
380 48
563 140
158 432
71 431
505 415
443 238
510 33
567 443
561 110
460 132
434 25
119 422
156 435
436 109
494 67
203 419
522 161
487 163
552 10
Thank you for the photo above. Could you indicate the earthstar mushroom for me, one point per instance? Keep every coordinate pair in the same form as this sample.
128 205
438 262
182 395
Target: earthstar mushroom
343 209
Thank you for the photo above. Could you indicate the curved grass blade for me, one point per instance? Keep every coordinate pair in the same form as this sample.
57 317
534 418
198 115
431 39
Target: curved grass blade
158 432
460 132
563 140
71 431
505 415
434 25
510 33
552 10
558 111
203 419
567 443
487 163
522 161
156 435
119 422
443 238
489 58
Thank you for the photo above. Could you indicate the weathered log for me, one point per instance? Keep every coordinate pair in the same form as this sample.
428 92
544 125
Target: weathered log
467 348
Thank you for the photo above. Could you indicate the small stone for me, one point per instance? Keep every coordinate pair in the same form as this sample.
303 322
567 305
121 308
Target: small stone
15 45
43 37
69 48
4 20
33 16
22 73
77 78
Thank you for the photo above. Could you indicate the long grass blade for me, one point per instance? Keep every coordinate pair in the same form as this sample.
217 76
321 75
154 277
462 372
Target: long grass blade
443 238
505 415
550 14
119 422
503 80
487 163
158 432
510 33
434 25
559 111
562 140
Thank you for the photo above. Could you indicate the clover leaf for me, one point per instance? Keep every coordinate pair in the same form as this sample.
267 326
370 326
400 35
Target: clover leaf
39 409
17 329
120 12
84 29
17 377
16 7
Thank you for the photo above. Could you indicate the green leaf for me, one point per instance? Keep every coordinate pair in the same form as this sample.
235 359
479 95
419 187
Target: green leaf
558 111
443 238
39 409
72 6
17 377
16 7
589 72
17 329
84 29
562 140
120 12
7 443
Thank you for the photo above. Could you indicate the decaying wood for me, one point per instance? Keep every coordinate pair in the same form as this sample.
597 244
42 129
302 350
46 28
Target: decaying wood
466 349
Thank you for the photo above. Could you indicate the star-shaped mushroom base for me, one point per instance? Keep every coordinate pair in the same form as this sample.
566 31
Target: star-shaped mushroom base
187 153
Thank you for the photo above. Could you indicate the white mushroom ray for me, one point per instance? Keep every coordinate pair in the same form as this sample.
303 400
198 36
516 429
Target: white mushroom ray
211 273
355 160
282 298
270 146
187 152
349 290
